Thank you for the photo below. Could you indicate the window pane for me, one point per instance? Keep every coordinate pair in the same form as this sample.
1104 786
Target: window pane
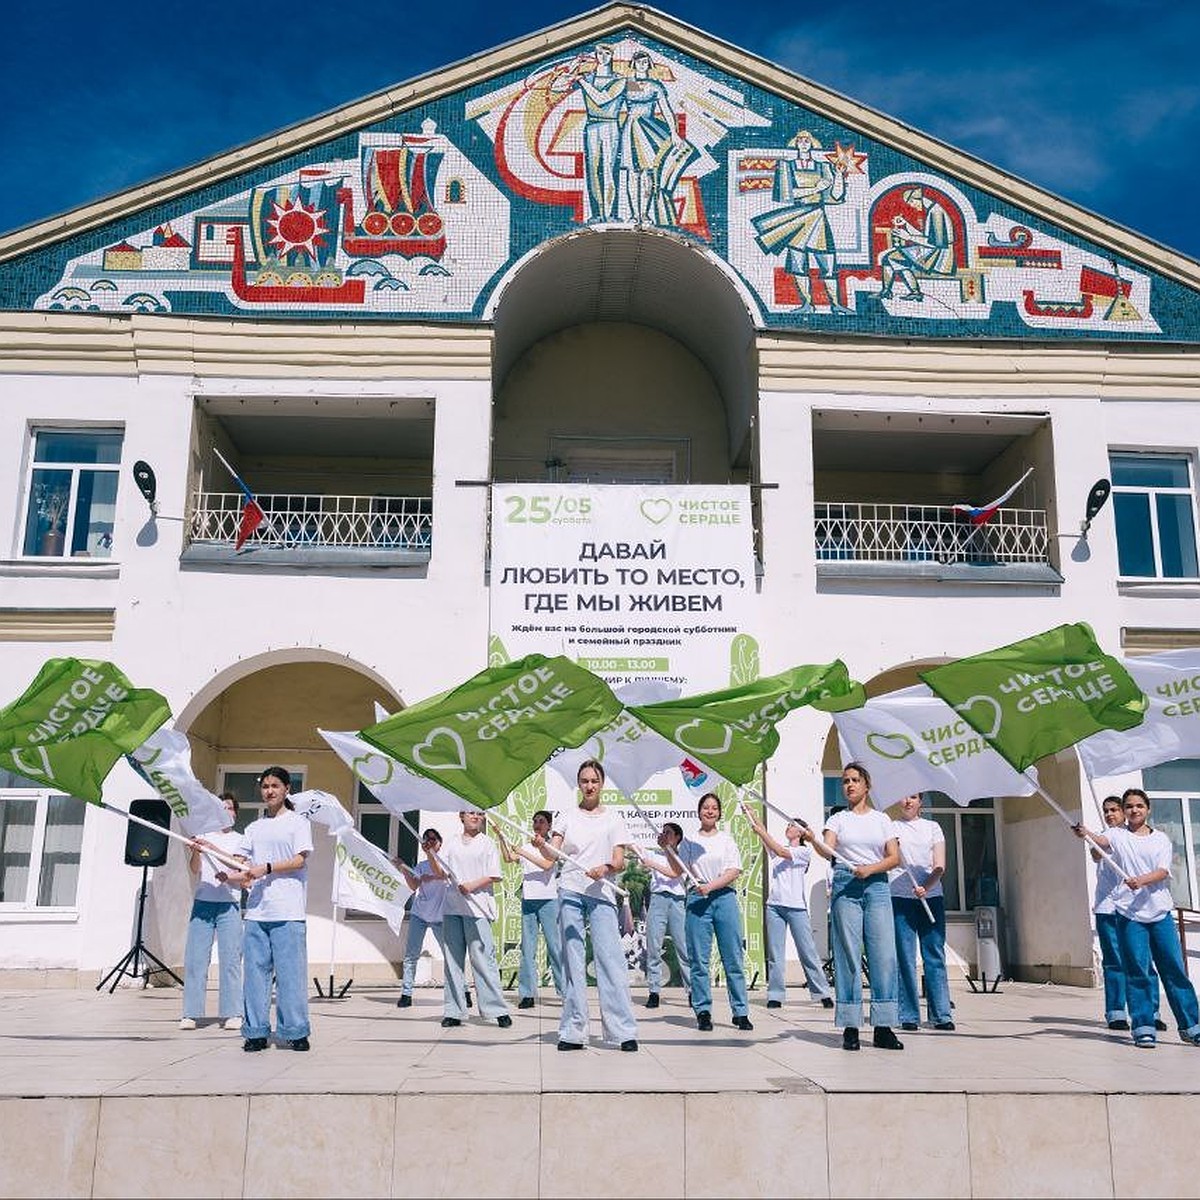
1176 536
376 827
1182 775
17 817
59 880
1147 470
46 517
95 513
950 879
1135 550
1167 815
77 446
979 859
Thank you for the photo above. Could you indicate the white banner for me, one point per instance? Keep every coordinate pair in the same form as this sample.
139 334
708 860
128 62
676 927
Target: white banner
364 879
912 741
164 760
1171 729
322 809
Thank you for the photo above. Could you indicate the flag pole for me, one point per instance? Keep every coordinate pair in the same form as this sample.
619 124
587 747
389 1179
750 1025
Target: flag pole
553 851
691 878
1091 785
250 496
1072 825
437 862
220 855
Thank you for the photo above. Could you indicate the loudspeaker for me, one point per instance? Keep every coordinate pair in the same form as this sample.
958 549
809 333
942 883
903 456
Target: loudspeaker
147 847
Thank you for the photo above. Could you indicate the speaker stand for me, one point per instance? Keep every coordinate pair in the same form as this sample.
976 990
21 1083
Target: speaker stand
131 964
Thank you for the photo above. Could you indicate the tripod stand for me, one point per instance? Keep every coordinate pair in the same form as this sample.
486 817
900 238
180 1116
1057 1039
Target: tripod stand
129 965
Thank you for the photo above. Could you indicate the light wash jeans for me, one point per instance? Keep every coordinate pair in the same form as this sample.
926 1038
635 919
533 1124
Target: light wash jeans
1109 936
535 915
716 914
222 919
912 927
412 949
780 920
1156 944
281 946
470 935
861 918
577 913
665 916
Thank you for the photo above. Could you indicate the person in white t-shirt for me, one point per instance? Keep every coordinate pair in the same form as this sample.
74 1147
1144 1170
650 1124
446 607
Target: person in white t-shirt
424 913
595 837
276 936
472 863
861 843
1145 922
665 915
216 912
539 910
712 859
919 877
787 911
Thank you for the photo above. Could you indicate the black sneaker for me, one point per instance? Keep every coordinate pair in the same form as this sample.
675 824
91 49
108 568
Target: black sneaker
850 1038
253 1045
742 1023
630 1046
945 1026
299 1043
704 1021
909 1026
1160 1025
570 1045
1120 1025
470 1002
525 1002
505 1021
826 1001
885 1039
652 1000
774 1003
404 1002
450 1022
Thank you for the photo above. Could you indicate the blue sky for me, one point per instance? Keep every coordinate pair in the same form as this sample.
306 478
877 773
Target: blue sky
1097 101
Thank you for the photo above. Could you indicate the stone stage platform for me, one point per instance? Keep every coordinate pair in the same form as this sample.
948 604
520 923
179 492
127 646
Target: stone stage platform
103 1096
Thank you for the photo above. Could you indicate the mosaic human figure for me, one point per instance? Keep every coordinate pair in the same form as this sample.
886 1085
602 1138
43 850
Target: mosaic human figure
603 93
928 250
647 137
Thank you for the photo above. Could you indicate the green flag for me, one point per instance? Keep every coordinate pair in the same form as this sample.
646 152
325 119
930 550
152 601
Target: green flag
487 735
1042 694
73 722
732 731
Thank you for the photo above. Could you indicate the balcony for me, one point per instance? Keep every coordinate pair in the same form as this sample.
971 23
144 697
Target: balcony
312 530
917 541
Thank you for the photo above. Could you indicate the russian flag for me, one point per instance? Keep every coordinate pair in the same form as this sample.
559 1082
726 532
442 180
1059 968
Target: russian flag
984 513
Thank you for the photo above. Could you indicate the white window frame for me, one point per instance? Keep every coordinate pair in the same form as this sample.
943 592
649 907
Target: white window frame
32 465
251 810
1189 460
29 905
1186 852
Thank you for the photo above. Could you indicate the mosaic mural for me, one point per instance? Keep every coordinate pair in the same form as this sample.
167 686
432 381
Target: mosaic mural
426 214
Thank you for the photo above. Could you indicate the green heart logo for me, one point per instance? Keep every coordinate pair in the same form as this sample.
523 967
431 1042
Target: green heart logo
997 713
697 744
442 750
656 511
359 767
890 745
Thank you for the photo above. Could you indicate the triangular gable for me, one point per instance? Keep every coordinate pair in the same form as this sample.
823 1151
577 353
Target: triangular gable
422 201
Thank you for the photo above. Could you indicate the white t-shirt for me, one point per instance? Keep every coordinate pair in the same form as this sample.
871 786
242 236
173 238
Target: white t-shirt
787 878
469 859
1138 856
537 883
589 838
208 888
1107 883
282 896
429 900
917 839
861 837
659 882
708 857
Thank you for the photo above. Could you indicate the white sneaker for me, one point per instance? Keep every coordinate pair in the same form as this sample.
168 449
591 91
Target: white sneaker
232 1023
187 1023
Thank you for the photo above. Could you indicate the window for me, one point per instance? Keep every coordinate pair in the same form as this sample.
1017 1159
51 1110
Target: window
72 493
1155 506
243 783
41 839
383 829
1174 791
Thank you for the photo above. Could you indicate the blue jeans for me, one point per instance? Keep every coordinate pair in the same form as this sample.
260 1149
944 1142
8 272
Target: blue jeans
666 915
1156 944
861 918
1109 936
470 935
281 946
779 921
716 914
222 919
913 927
535 915
576 913
417 928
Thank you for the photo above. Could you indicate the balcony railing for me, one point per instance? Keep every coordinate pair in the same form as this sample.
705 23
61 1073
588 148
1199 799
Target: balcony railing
316 522
911 533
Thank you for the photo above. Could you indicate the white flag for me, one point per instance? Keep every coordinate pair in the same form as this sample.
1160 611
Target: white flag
394 785
322 809
164 760
365 879
912 741
1171 728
